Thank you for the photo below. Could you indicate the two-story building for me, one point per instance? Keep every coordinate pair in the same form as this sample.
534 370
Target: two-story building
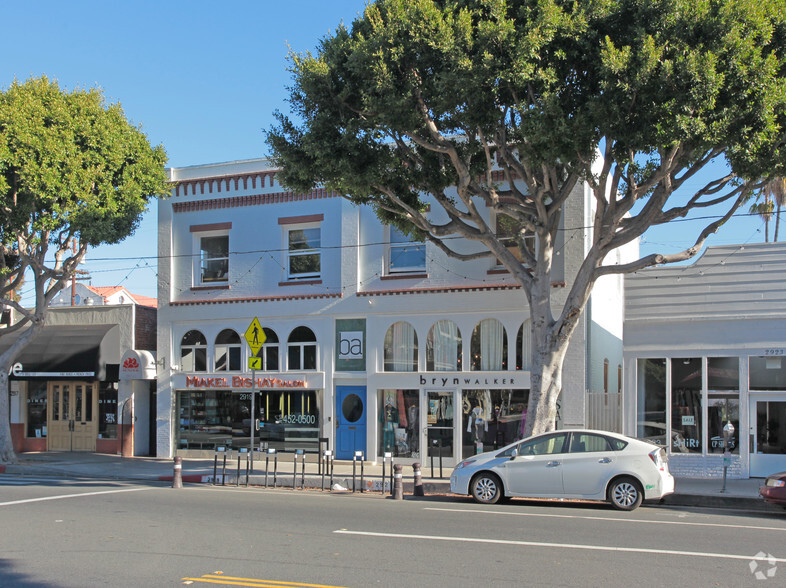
292 318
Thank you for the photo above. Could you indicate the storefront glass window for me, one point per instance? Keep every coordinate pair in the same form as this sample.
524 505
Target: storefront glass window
767 373
288 419
686 421
36 409
651 396
492 419
771 427
489 346
723 402
399 418
401 348
107 411
443 347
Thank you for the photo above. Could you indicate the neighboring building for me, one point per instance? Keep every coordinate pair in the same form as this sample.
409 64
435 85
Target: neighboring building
365 341
705 345
80 294
86 383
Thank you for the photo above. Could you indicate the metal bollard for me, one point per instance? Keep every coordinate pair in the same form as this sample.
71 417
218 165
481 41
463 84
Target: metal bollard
359 454
398 487
177 477
271 451
222 451
418 491
323 470
385 458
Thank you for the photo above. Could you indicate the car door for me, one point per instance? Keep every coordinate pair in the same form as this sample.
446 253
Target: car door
537 468
588 465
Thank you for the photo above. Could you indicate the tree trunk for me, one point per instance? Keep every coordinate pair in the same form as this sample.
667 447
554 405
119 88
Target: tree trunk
7 454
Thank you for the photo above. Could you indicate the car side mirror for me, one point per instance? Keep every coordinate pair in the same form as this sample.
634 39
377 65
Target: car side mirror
514 453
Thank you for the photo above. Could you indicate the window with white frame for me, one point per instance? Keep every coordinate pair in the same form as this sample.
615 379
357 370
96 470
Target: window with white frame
304 259
227 351
213 259
193 352
401 348
270 351
489 346
404 254
302 350
443 347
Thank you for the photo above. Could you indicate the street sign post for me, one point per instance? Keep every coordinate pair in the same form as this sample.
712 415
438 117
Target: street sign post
255 337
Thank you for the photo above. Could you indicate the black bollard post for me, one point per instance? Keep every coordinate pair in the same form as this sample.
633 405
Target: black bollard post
294 475
354 463
326 461
224 471
237 481
418 478
302 469
177 477
362 462
385 458
398 487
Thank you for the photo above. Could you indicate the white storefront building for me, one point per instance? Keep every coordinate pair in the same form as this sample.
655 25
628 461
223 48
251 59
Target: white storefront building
705 345
365 341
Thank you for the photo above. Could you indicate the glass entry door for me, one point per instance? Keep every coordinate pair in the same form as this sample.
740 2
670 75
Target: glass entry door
767 435
73 408
438 427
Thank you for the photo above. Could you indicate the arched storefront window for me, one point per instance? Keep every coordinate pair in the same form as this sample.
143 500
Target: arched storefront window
489 346
401 348
443 347
193 352
524 347
302 350
227 351
270 351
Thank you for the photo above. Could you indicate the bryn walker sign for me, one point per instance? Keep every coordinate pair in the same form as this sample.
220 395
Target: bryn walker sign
242 382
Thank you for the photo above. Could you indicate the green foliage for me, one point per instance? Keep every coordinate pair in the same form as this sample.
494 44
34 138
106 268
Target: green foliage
548 80
70 162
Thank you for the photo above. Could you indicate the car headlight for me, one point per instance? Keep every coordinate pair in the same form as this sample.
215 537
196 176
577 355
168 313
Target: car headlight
465 463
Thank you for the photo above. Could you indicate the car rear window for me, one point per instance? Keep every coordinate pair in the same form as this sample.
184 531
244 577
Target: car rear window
617 444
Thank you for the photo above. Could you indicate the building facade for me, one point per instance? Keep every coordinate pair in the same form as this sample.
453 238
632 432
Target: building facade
85 383
299 321
705 345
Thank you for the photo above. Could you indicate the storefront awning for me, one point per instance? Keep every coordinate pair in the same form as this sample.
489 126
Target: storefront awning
60 351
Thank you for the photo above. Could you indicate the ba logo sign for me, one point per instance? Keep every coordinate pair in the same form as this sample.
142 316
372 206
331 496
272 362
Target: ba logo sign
350 345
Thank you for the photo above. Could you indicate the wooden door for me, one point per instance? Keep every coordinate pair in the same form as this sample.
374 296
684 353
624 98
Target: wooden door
73 416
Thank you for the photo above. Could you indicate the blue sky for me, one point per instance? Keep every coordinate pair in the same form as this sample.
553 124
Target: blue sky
202 78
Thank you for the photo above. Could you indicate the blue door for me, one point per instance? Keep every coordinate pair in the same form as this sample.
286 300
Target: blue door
350 421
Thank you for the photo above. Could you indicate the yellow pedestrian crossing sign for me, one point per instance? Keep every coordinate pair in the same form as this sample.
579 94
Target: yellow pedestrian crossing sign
255 336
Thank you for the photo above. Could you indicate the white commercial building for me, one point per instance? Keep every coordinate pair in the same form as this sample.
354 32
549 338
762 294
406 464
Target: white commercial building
705 345
301 320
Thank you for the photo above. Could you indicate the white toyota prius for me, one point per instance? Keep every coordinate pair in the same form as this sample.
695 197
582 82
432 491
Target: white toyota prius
571 464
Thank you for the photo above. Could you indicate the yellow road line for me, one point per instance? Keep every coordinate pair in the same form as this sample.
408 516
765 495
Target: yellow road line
256 582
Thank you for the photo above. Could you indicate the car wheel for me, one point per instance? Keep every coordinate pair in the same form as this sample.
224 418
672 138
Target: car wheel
625 494
486 488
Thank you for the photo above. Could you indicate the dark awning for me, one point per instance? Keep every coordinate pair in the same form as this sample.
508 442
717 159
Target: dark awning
60 350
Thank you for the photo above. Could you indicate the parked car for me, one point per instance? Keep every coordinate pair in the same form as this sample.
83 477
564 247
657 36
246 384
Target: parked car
774 489
572 464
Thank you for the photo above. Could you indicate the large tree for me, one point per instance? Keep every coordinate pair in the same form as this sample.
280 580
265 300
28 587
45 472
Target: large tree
74 173
419 101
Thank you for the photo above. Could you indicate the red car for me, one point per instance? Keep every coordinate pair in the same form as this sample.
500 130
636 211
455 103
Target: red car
774 489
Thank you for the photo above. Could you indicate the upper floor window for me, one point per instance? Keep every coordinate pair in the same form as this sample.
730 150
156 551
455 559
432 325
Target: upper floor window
443 347
401 348
405 255
305 255
269 351
302 350
489 346
214 259
507 231
228 351
193 352
524 347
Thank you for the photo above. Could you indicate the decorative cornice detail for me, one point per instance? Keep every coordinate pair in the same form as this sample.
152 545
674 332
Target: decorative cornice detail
255 299
442 290
253 200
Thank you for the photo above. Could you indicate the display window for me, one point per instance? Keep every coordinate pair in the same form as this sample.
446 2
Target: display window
492 419
36 409
287 420
399 417
107 410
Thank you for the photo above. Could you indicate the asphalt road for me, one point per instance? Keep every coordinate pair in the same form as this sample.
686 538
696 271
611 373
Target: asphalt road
90 533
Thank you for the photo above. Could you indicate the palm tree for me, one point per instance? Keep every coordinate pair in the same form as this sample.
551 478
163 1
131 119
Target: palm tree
773 197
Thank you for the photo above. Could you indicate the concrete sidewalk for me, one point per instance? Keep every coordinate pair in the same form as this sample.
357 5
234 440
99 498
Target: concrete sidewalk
739 494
